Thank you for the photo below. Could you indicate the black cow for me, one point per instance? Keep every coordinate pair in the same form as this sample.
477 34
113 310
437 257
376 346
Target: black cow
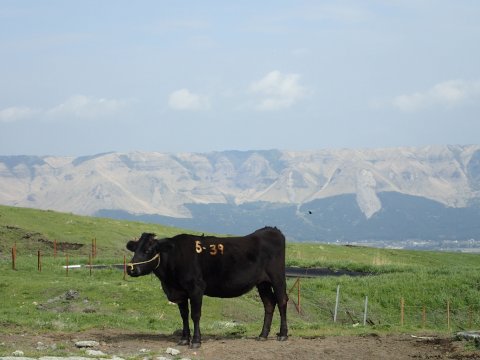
191 266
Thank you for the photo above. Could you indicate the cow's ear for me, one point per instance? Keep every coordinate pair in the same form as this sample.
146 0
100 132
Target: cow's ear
163 245
132 245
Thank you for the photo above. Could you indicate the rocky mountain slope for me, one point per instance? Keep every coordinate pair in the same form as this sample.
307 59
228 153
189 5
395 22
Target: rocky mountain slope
170 185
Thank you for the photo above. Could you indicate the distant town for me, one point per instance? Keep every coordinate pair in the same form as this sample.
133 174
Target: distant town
465 246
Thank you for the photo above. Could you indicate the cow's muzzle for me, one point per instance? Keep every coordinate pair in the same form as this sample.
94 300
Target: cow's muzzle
133 270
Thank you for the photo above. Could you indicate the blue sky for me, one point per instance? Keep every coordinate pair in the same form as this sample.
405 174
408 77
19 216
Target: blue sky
85 77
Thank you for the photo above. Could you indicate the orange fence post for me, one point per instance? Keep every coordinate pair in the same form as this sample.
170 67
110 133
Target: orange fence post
94 247
470 317
424 316
296 284
90 263
448 314
298 296
402 311
14 257
124 267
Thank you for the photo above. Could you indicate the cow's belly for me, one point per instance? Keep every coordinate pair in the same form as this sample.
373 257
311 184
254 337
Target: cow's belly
228 291
232 287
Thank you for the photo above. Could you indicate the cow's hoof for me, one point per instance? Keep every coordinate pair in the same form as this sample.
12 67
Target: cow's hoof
262 338
184 342
195 345
282 337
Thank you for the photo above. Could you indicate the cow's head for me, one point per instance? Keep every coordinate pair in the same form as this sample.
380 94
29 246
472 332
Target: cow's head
146 257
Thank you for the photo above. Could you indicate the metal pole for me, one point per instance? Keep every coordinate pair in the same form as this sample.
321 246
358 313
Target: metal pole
336 304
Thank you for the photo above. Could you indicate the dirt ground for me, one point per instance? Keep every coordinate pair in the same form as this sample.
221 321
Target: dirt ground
128 345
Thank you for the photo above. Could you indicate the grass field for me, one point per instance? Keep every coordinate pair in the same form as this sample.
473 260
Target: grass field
429 283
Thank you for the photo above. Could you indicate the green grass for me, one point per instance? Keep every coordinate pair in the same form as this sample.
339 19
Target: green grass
32 301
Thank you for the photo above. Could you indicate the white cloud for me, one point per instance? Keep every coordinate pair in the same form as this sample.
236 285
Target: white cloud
81 106
278 91
183 99
445 94
13 114
77 106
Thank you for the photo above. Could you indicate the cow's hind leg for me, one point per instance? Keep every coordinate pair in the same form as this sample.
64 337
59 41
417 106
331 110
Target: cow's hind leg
196 305
268 299
183 307
279 288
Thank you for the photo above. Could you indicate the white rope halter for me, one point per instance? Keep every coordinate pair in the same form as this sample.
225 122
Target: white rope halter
131 265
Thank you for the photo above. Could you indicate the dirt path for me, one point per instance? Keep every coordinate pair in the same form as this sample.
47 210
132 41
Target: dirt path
128 345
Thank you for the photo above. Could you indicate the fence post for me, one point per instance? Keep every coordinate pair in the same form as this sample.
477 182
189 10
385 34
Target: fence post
424 316
66 262
298 296
336 304
470 316
124 267
14 257
365 312
39 261
402 311
297 283
90 263
448 314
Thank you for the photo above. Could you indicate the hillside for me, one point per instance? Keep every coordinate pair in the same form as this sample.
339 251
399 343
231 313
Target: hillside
107 303
398 194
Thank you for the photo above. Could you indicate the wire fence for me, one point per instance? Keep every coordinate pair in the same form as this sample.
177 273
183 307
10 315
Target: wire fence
312 306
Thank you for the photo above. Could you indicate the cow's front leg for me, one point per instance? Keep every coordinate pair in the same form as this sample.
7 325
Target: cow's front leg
196 305
183 307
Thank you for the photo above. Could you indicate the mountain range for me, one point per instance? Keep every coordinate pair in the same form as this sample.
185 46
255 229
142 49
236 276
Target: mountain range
343 195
